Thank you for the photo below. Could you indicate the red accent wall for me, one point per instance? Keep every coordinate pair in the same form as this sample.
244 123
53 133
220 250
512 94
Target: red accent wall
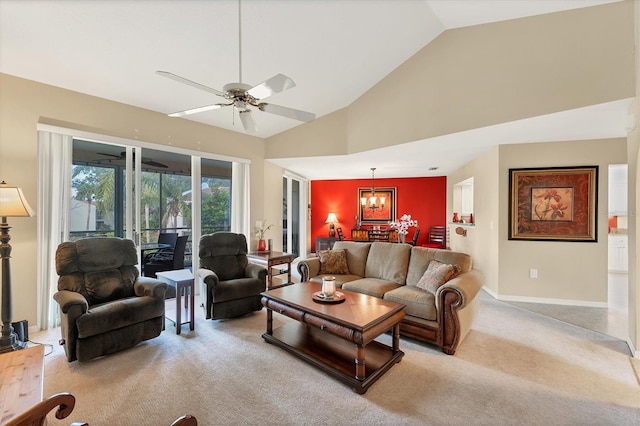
424 198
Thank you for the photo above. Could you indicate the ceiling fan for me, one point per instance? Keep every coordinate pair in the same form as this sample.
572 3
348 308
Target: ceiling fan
145 160
241 96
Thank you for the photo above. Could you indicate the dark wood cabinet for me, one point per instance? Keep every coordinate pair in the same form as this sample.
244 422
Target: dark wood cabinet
325 243
371 234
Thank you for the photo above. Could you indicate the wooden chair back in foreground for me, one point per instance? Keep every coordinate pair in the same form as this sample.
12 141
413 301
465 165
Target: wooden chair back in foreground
186 420
37 415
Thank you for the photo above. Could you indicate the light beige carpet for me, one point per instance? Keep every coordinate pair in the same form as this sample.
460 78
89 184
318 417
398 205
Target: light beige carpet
515 367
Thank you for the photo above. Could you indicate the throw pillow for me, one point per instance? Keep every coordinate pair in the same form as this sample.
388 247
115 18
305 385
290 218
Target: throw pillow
333 262
436 275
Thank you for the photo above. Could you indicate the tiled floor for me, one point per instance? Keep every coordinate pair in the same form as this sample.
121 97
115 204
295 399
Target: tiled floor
612 321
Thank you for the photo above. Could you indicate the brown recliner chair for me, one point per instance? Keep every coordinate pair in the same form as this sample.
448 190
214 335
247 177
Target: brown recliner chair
105 305
231 284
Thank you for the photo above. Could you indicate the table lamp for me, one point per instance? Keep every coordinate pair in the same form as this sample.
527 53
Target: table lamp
331 219
12 204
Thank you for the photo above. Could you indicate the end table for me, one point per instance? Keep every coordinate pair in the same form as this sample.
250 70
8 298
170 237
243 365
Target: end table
181 279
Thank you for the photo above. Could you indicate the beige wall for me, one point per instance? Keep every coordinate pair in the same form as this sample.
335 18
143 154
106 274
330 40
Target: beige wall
272 200
324 136
481 240
24 104
483 75
566 270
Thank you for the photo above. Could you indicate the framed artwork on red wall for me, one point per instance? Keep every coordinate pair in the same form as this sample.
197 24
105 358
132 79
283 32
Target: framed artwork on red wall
379 215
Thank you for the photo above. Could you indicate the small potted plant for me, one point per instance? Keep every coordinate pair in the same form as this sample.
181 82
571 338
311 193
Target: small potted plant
261 229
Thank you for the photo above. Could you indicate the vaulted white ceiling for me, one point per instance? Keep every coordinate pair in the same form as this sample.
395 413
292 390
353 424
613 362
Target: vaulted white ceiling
334 51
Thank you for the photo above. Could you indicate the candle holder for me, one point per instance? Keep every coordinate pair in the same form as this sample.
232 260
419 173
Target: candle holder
329 286
328 294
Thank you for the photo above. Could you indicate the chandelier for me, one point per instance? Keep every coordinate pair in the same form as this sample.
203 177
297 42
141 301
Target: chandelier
373 202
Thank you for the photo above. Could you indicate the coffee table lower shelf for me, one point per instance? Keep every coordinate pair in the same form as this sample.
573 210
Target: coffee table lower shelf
334 355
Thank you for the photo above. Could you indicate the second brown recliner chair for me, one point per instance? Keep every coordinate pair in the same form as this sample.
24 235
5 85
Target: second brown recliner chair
231 284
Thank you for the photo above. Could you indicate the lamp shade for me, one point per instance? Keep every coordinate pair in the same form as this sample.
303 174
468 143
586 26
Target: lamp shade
331 218
13 202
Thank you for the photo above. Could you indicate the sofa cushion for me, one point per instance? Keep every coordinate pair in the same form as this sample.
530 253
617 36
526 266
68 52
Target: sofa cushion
340 279
417 302
356 255
333 262
370 286
422 256
388 261
436 275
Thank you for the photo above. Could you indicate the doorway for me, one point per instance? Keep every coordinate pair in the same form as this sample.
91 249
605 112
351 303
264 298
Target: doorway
618 247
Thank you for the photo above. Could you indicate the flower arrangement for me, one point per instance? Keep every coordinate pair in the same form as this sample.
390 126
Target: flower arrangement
403 225
262 228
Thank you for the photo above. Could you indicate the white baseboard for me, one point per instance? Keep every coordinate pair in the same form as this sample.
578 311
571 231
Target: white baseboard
634 352
547 301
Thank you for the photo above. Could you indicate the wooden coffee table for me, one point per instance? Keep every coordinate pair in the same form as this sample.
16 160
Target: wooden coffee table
337 338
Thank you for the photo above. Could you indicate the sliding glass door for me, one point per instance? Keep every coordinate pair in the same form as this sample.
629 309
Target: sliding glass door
295 196
93 185
98 189
117 194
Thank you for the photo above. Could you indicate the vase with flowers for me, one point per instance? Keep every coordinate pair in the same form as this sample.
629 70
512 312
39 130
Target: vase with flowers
261 229
403 225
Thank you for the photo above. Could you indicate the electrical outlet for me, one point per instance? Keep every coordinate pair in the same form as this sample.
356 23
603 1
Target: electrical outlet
533 273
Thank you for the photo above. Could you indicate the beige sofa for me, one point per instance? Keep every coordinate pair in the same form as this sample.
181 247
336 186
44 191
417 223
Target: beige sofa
391 271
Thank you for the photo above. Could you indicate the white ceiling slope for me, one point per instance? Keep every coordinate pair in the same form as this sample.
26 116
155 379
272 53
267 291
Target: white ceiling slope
334 50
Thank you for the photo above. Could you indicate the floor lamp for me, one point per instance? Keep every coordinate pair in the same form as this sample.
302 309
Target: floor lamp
12 204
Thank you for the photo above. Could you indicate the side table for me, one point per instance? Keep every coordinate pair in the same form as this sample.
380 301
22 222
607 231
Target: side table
269 259
181 279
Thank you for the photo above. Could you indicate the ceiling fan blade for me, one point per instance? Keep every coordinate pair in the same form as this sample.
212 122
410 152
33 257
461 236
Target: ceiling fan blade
296 114
275 84
110 155
188 82
150 162
196 110
247 121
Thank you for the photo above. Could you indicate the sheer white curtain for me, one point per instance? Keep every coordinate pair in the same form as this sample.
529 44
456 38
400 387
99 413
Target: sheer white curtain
240 208
54 194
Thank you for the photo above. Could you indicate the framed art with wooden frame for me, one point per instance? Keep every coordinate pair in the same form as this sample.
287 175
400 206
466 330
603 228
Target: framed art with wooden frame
379 216
554 204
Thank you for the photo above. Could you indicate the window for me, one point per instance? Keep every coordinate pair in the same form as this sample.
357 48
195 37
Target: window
216 196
